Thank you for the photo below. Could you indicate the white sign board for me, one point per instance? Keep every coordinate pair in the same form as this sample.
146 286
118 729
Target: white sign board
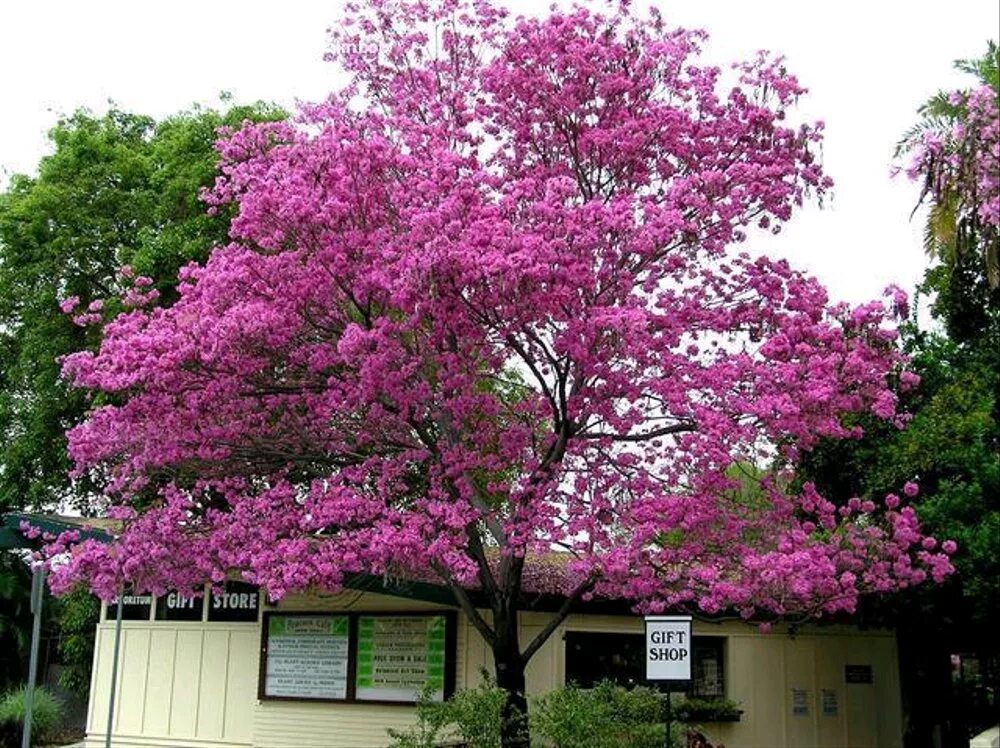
307 657
668 648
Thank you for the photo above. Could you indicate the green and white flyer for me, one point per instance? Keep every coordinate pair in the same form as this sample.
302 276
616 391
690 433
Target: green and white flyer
399 657
307 657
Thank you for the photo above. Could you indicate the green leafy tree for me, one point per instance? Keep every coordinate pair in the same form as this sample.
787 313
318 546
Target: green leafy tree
15 618
951 446
76 613
118 189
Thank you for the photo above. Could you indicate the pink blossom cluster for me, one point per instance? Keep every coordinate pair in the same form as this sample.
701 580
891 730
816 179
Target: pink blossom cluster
489 303
133 291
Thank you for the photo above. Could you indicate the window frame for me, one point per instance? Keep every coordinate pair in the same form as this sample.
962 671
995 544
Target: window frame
450 652
720 643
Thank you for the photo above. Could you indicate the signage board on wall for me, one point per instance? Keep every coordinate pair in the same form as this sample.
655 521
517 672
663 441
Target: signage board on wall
668 648
857 673
237 602
800 702
358 657
305 656
134 607
177 607
399 657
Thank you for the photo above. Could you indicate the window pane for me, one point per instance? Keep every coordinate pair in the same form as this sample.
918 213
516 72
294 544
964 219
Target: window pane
620 658
591 658
706 669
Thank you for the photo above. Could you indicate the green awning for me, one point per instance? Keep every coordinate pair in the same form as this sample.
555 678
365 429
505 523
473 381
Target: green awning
11 536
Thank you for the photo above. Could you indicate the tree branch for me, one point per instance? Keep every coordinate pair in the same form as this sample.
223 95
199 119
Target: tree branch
677 428
560 616
465 603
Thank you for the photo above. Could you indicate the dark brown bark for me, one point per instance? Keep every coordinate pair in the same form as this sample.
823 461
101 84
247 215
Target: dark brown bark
509 665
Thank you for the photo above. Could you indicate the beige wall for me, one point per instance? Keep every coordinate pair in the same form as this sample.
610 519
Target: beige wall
180 684
195 684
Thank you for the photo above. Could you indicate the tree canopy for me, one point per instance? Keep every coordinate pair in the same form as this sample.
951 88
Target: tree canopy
952 443
118 189
485 318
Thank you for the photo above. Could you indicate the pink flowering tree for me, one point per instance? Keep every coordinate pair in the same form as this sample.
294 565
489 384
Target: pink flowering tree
485 319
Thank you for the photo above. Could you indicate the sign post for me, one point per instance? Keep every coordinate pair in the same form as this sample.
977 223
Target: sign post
668 655
37 596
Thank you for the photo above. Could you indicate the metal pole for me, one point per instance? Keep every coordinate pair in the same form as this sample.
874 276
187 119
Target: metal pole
668 740
37 595
114 671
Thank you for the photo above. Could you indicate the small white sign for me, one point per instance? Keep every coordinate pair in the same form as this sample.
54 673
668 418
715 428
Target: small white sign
668 648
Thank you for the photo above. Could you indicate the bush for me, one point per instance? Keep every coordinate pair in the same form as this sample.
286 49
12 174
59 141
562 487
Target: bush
606 716
46 715
707 710
471 717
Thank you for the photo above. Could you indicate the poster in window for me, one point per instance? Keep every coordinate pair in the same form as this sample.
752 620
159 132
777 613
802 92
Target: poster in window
708 679
400 657
829 702
800 702
306 657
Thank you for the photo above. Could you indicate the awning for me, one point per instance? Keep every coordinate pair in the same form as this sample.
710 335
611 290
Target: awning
11 536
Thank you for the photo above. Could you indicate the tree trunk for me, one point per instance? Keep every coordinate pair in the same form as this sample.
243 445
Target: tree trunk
509 666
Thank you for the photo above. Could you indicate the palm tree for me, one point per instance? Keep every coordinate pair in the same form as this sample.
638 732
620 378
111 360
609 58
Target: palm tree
953 152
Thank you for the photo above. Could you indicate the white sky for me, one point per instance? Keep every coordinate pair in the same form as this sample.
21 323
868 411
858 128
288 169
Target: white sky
867 64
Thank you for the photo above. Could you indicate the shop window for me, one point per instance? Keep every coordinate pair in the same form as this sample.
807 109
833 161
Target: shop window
592 657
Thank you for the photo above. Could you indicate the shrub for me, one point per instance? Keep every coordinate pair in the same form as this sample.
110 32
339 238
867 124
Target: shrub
606 716
707 710
46 714
472 716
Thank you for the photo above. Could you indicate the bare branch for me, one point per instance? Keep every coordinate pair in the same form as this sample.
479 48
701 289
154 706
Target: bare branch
560 616
677 428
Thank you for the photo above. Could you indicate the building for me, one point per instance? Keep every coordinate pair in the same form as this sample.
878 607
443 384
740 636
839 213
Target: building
227 671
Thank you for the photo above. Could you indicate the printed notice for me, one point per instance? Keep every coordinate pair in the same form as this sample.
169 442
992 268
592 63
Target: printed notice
399 657
307 657
829 702
800 702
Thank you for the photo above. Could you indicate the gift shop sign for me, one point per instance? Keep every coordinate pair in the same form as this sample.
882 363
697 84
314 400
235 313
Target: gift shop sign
668 648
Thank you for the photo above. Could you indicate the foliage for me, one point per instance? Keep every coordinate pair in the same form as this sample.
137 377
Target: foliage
606 716
955 153
47 713
563 197
117 189
692 709
312 404
951 445
472 716
76 617
15 617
